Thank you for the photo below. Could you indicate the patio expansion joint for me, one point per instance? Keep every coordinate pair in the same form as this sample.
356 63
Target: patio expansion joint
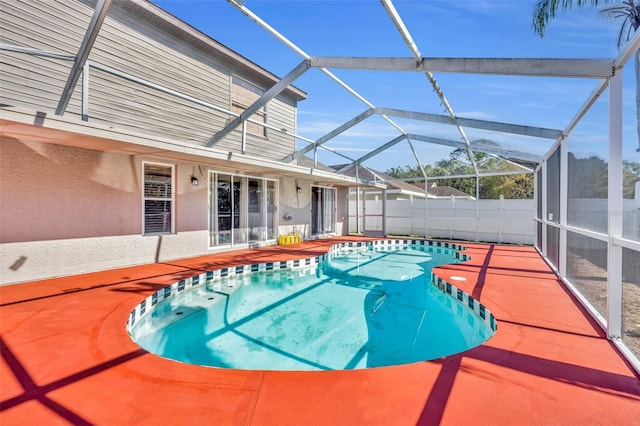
254 402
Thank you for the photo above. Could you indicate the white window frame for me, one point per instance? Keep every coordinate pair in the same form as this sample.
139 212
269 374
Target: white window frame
212 179
172 198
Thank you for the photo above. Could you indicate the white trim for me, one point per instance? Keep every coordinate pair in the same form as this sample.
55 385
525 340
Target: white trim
626 352
629 244
563 151
543 243
615 209
174 181
587 233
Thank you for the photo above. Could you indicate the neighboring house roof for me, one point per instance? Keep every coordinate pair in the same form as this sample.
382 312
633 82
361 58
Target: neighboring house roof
305 161
368 174
371 175
445 191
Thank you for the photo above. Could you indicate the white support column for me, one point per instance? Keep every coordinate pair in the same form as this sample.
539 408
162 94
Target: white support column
384 212
615 209
544 217
358 229
536 185
477 208
364 211
564 192
85 91
452 222
243 147
500 218
426 208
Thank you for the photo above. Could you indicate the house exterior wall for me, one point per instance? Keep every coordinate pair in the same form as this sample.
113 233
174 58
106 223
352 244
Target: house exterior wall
75 207
68 210
134 41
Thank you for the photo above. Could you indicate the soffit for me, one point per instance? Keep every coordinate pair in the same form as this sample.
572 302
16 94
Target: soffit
26 125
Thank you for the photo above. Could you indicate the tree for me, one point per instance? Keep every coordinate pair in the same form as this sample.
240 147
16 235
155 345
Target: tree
628 11
491 187
587 177
630 175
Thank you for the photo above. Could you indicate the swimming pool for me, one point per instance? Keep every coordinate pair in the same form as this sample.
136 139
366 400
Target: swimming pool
362 305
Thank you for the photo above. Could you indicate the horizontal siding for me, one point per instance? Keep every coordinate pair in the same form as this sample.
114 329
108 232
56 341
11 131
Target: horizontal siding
127 104
139 48
34 82
282 116
175 70
135 107
52 25
37 82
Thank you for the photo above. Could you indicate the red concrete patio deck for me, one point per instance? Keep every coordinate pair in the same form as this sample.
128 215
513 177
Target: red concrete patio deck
67 359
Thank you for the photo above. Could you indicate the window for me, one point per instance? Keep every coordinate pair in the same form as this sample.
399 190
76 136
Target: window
243 95
158 199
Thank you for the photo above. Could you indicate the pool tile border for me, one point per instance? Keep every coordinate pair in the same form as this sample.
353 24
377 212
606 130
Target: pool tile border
467 301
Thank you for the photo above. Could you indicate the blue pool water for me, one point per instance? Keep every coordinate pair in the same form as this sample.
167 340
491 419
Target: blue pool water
363 308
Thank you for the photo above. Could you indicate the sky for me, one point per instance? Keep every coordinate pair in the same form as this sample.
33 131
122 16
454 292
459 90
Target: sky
440 28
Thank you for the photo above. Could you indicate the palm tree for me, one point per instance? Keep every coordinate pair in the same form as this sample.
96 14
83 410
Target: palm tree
628 11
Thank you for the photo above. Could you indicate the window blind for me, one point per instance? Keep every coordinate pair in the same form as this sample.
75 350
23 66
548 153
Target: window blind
158 199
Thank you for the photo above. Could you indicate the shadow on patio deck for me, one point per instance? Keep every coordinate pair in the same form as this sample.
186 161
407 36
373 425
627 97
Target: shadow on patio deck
67 358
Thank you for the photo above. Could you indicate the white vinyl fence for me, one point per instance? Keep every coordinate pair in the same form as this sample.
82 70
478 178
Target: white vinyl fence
500 221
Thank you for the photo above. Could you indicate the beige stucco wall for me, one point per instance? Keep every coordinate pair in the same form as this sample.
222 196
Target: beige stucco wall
298 206
66 210
69 210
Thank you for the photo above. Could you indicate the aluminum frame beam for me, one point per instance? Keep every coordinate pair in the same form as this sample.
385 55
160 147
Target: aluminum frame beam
37 52
238 4
518 129
340 129
454 144
197 101
408 39
535 67
462 176
620 62
285 82
99 13
373 153
479 148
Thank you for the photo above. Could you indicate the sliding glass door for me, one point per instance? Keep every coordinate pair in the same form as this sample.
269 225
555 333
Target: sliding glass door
323 208
242 209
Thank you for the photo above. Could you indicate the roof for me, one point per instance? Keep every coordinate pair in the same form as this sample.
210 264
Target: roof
305 161
446 191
